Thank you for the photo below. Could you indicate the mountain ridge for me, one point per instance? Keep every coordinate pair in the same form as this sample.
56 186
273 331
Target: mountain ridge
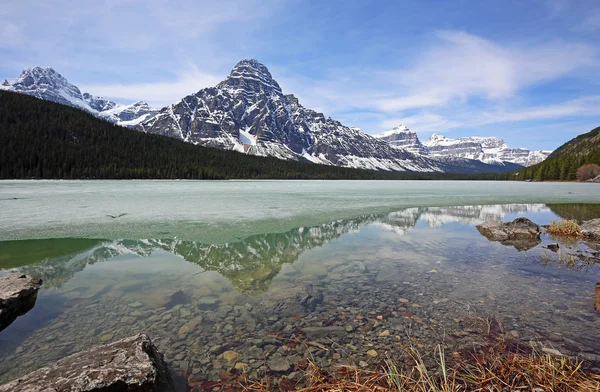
490 149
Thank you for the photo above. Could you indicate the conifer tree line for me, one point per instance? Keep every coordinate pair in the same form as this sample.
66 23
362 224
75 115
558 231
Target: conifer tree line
45 140
563 164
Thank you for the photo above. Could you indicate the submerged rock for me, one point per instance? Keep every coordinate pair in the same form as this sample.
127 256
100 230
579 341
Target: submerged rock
521 233
131 364
17 296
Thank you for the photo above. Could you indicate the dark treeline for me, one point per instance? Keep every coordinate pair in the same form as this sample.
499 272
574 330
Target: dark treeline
563 163
42 139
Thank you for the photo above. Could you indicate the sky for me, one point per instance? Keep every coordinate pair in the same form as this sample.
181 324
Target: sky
523 70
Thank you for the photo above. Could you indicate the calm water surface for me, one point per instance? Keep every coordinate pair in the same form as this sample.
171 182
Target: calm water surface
250 266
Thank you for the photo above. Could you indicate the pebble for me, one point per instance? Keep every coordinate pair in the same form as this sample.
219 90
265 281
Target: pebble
231 356
106 337
372 353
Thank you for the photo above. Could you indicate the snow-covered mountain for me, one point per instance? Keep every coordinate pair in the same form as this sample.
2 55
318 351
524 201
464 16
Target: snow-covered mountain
248 112
490 150
46 83
404 138
485 149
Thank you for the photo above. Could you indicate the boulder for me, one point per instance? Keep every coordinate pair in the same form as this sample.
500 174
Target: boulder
18 294
521 233
132 364
591 229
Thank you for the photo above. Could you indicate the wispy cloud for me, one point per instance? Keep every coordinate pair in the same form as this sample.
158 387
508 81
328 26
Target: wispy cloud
159 93
463 66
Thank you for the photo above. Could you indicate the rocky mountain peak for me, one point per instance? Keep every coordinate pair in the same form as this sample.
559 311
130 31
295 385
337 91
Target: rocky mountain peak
39 77
403 138
436 137
250 76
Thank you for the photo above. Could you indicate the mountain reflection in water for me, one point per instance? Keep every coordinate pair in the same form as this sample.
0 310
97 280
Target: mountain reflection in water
251 264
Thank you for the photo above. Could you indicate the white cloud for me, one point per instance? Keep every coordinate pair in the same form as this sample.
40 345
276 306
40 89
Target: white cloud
424 122
463 66
586 106
157 94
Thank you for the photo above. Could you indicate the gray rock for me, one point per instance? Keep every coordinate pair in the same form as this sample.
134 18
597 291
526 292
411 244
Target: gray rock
17 296
279 364
591 229
131 364
316 333
521 233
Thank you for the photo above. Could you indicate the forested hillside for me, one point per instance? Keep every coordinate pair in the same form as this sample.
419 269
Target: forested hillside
563 163
42 139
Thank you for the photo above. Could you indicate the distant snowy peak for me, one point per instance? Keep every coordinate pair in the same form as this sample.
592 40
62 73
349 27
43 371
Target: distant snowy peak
46 83
98 104
403 138
129 115
485 149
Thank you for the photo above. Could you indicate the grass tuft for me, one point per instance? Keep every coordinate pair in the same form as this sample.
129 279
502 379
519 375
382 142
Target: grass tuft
565 228
497 368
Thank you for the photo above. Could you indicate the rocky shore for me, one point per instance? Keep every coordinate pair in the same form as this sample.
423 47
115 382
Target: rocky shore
17 296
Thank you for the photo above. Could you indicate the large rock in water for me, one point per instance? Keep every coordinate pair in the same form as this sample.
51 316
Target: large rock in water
17 296
132 364
591 229
521 233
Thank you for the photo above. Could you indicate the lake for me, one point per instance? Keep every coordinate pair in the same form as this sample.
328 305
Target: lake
277 271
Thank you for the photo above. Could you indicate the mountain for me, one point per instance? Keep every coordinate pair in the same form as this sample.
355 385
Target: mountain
403 138
43 139
248 112
486 149
46 83
563 163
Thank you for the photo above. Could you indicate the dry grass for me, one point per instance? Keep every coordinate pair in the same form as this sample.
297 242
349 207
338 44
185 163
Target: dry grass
565 228
497 369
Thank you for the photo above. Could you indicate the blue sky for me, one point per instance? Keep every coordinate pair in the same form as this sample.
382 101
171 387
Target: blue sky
523 70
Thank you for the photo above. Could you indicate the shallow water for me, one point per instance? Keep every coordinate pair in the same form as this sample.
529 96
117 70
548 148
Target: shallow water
423 274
